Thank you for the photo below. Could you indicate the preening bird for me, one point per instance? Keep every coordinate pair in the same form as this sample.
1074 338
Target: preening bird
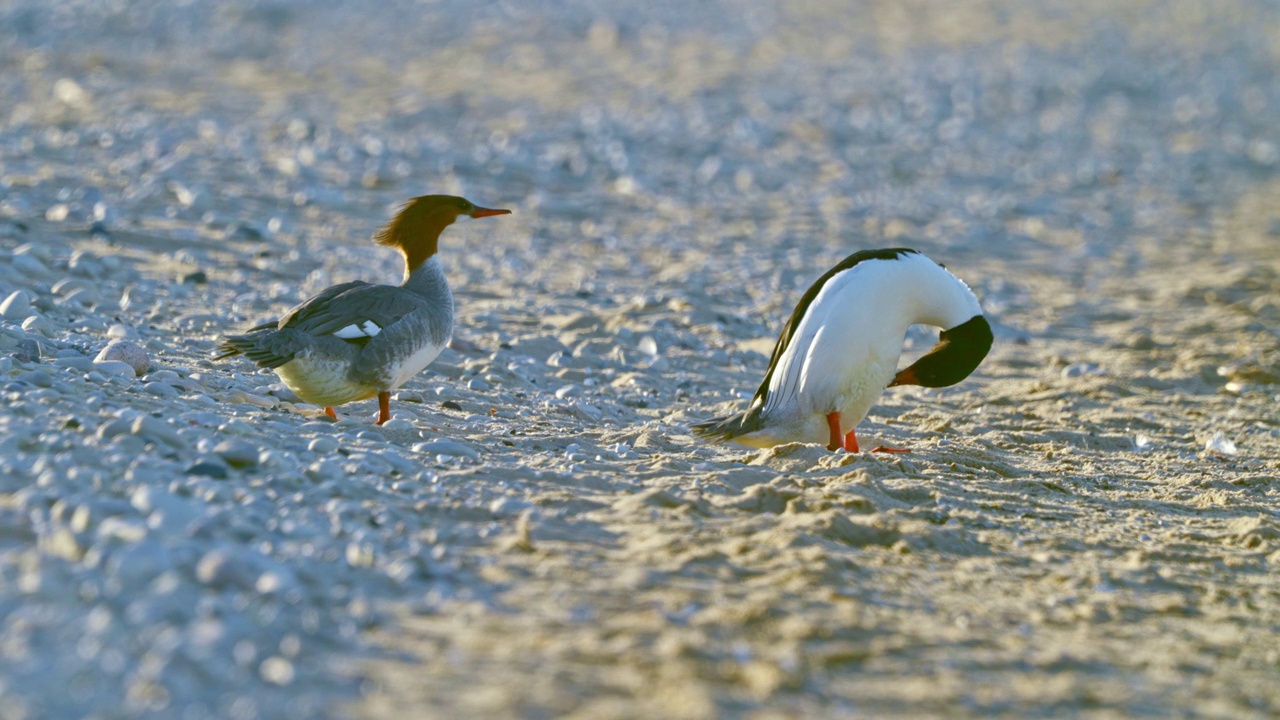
357 340
840 349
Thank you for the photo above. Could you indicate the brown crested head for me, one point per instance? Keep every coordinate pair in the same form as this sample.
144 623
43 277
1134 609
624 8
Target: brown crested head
415 230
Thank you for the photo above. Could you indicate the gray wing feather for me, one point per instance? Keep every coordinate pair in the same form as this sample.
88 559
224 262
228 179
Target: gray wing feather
351 304
271 345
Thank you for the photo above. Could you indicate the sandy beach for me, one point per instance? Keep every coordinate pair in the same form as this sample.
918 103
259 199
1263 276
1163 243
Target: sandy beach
1088 526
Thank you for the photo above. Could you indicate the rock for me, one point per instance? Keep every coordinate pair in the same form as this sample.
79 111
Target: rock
195 278
80 298
39 378
323 446
237 453
38 325
16 307
115 367
446 447
114 427
160 389
399 425
127 352
163 508
209 469
1082 369
157 430
82 363
222 568
29 266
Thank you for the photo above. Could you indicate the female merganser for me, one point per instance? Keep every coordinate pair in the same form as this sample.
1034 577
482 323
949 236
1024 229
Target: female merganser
839 350
356 340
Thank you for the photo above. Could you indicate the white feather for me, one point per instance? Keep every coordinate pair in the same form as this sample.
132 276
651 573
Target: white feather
845 349
366 328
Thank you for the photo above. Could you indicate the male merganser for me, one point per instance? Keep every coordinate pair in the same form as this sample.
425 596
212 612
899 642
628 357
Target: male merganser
356 340
839 350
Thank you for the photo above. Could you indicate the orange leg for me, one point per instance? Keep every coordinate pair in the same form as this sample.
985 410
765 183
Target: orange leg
384 406
329 411
851 441
833 423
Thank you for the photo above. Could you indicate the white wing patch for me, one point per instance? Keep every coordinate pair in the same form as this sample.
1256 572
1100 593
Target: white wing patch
367 328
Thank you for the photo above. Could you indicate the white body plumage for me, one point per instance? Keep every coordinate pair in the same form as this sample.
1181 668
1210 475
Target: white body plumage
843 348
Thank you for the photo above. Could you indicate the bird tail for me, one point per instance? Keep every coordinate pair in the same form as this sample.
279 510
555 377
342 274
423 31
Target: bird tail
732 426
251 345
226 349
233 345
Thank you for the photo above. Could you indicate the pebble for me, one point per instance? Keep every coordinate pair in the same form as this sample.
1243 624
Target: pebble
16 307
399 425
209 469
115 367
156 429
38 377
81 363
323 446
28 265
38 325
225 568
160 389
1082 369
127 352
237 453
85 264
450 448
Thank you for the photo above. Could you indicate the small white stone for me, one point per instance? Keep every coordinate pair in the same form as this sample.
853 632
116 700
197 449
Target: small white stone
399 425
28 265
1221 444
648 346
83 364
1082 369
446 447
157 429
115 367
323 446
160 389
237 453
38 325
127 352
16 307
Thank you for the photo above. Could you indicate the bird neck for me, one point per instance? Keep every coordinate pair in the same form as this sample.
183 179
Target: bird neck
941 299
937 297
427 279
422 248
